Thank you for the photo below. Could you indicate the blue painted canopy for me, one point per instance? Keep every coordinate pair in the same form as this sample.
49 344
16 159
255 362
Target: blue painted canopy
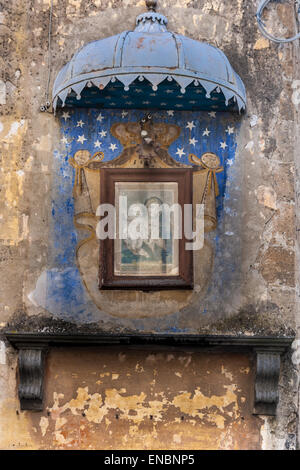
149 67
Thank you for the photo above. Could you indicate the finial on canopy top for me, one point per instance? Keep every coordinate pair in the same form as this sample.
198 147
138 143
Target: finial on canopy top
151 5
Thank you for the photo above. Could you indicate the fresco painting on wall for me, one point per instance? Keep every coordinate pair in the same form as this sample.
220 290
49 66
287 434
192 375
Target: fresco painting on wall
92 140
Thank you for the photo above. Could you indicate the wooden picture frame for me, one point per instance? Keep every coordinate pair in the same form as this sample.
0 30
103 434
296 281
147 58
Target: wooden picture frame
151 267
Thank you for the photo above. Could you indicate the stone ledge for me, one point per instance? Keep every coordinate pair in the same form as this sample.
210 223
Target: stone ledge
33 347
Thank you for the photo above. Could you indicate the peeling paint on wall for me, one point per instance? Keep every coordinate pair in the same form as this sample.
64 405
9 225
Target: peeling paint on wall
149 406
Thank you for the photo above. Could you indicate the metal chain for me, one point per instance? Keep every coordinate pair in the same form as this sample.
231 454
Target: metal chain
262 25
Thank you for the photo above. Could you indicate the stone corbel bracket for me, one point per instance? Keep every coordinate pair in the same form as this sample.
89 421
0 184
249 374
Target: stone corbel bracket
268 350
31 364
267 379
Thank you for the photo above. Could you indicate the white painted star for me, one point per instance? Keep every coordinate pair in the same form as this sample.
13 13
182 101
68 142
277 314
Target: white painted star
230 162
180 152
64 140
190 125
81 139
212 114
98 144
100 117
223 145
170 113
66 116
206 132
102 134
193 141
230 130
124 114
113 147
80 123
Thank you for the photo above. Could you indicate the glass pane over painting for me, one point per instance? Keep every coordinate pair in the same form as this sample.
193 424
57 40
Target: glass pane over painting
144 255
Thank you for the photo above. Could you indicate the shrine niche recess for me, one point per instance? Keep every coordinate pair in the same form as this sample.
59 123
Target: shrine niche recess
112 75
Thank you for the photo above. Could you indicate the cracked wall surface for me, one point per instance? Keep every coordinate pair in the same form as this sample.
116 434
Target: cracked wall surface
256 228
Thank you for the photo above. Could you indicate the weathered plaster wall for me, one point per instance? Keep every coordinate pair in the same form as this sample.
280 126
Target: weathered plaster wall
134 399
259 203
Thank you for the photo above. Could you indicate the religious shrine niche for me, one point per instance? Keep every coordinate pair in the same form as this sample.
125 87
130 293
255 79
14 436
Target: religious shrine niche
153 157
149 116
152 118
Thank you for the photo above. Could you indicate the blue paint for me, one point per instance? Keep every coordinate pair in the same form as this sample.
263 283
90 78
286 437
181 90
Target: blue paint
64 236
203 120
106 73
63 293
168 96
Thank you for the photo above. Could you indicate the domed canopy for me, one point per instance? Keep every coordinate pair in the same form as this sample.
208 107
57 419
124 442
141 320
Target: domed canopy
149 67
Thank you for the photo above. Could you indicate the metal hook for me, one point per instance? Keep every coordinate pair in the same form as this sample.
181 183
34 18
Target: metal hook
261 24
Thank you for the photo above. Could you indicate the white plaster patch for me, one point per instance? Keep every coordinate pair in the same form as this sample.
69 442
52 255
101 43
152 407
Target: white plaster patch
15 127
25 228
177 438
250 146
10 88
253 120
267 197
296 94
296 354
2 92
44 423
44 143
38 296
227 374
2 353
266 434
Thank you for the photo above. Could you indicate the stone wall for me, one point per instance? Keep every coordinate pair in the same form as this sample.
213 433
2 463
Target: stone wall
258 298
